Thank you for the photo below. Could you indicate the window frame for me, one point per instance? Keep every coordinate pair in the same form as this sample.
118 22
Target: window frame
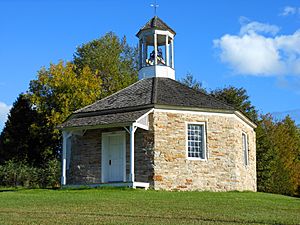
204 141
245 148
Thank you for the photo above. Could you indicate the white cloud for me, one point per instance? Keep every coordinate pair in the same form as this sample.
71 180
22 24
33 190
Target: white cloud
288 10
256 27
4 110
259 50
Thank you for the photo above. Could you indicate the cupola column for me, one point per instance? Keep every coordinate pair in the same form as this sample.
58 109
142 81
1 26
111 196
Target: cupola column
144 57
140 55
172 53
167 51
155 49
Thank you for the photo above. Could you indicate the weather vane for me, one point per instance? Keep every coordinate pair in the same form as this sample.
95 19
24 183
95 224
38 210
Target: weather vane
155 6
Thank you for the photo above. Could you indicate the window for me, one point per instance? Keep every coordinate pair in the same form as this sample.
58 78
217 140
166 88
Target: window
196 141
245 148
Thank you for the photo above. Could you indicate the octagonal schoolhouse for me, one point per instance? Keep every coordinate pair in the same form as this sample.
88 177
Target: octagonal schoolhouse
159 133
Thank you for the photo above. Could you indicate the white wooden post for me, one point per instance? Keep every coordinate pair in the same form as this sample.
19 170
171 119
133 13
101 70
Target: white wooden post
144 57
140 54
132 130
64 158
172 53
167 51
155 48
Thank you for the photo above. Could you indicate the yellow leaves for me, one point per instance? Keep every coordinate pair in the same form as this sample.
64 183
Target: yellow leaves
60 90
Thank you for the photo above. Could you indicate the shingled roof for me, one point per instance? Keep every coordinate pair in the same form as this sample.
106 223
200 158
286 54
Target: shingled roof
156 23
130 103
105 119
156 90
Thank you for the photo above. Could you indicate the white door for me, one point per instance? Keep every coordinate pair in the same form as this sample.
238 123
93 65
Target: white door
113 158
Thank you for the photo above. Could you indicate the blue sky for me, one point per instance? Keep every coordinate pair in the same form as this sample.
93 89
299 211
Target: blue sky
252 44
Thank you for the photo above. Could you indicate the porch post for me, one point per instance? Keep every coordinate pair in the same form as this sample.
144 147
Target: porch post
64 158
131 176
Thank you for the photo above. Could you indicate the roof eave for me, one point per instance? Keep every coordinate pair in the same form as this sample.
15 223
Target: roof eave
93 127
154 28
199 109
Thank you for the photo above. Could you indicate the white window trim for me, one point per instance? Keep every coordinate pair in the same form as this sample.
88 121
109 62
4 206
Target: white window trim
246 159
204 141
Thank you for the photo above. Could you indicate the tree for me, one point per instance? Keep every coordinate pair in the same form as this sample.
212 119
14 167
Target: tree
265 153
55 94
278 150
99 68
19 139
112 60
238 98
287 142
189 81
58 91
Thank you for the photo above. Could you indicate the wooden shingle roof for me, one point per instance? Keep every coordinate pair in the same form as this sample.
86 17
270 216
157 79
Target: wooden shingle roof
156 23
128 104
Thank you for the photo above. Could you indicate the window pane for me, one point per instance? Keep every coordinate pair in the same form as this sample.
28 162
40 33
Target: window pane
245 148
195 141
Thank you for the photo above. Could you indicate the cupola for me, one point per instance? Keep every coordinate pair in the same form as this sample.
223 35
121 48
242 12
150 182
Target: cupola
156 50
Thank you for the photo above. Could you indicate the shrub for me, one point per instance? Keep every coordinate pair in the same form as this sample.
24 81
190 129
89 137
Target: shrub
14 173
50 174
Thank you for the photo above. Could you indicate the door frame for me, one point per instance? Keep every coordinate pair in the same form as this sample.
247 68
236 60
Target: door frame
104 149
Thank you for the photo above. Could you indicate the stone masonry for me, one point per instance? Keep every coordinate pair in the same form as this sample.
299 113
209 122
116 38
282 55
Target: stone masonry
224 169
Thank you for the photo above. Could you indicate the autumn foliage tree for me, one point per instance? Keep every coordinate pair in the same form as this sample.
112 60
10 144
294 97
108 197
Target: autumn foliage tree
59 90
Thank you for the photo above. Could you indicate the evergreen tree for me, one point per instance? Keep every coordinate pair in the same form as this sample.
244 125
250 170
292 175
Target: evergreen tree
20 140
189 81
238 98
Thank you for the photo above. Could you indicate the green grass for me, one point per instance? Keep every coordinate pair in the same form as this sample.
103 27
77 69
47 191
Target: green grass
125 206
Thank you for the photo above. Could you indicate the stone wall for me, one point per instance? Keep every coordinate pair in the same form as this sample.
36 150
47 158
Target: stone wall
224 169
85 159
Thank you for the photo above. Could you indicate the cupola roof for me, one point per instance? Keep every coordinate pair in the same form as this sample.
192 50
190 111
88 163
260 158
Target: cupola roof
156 23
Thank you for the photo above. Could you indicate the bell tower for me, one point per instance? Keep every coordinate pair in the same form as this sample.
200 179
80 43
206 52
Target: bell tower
156 50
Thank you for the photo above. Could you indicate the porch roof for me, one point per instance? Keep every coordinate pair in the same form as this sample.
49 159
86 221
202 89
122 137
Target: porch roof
121 118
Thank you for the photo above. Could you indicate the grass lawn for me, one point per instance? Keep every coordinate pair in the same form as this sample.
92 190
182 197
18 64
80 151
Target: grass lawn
126 206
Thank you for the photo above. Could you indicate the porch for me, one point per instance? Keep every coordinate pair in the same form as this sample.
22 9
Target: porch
107 155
